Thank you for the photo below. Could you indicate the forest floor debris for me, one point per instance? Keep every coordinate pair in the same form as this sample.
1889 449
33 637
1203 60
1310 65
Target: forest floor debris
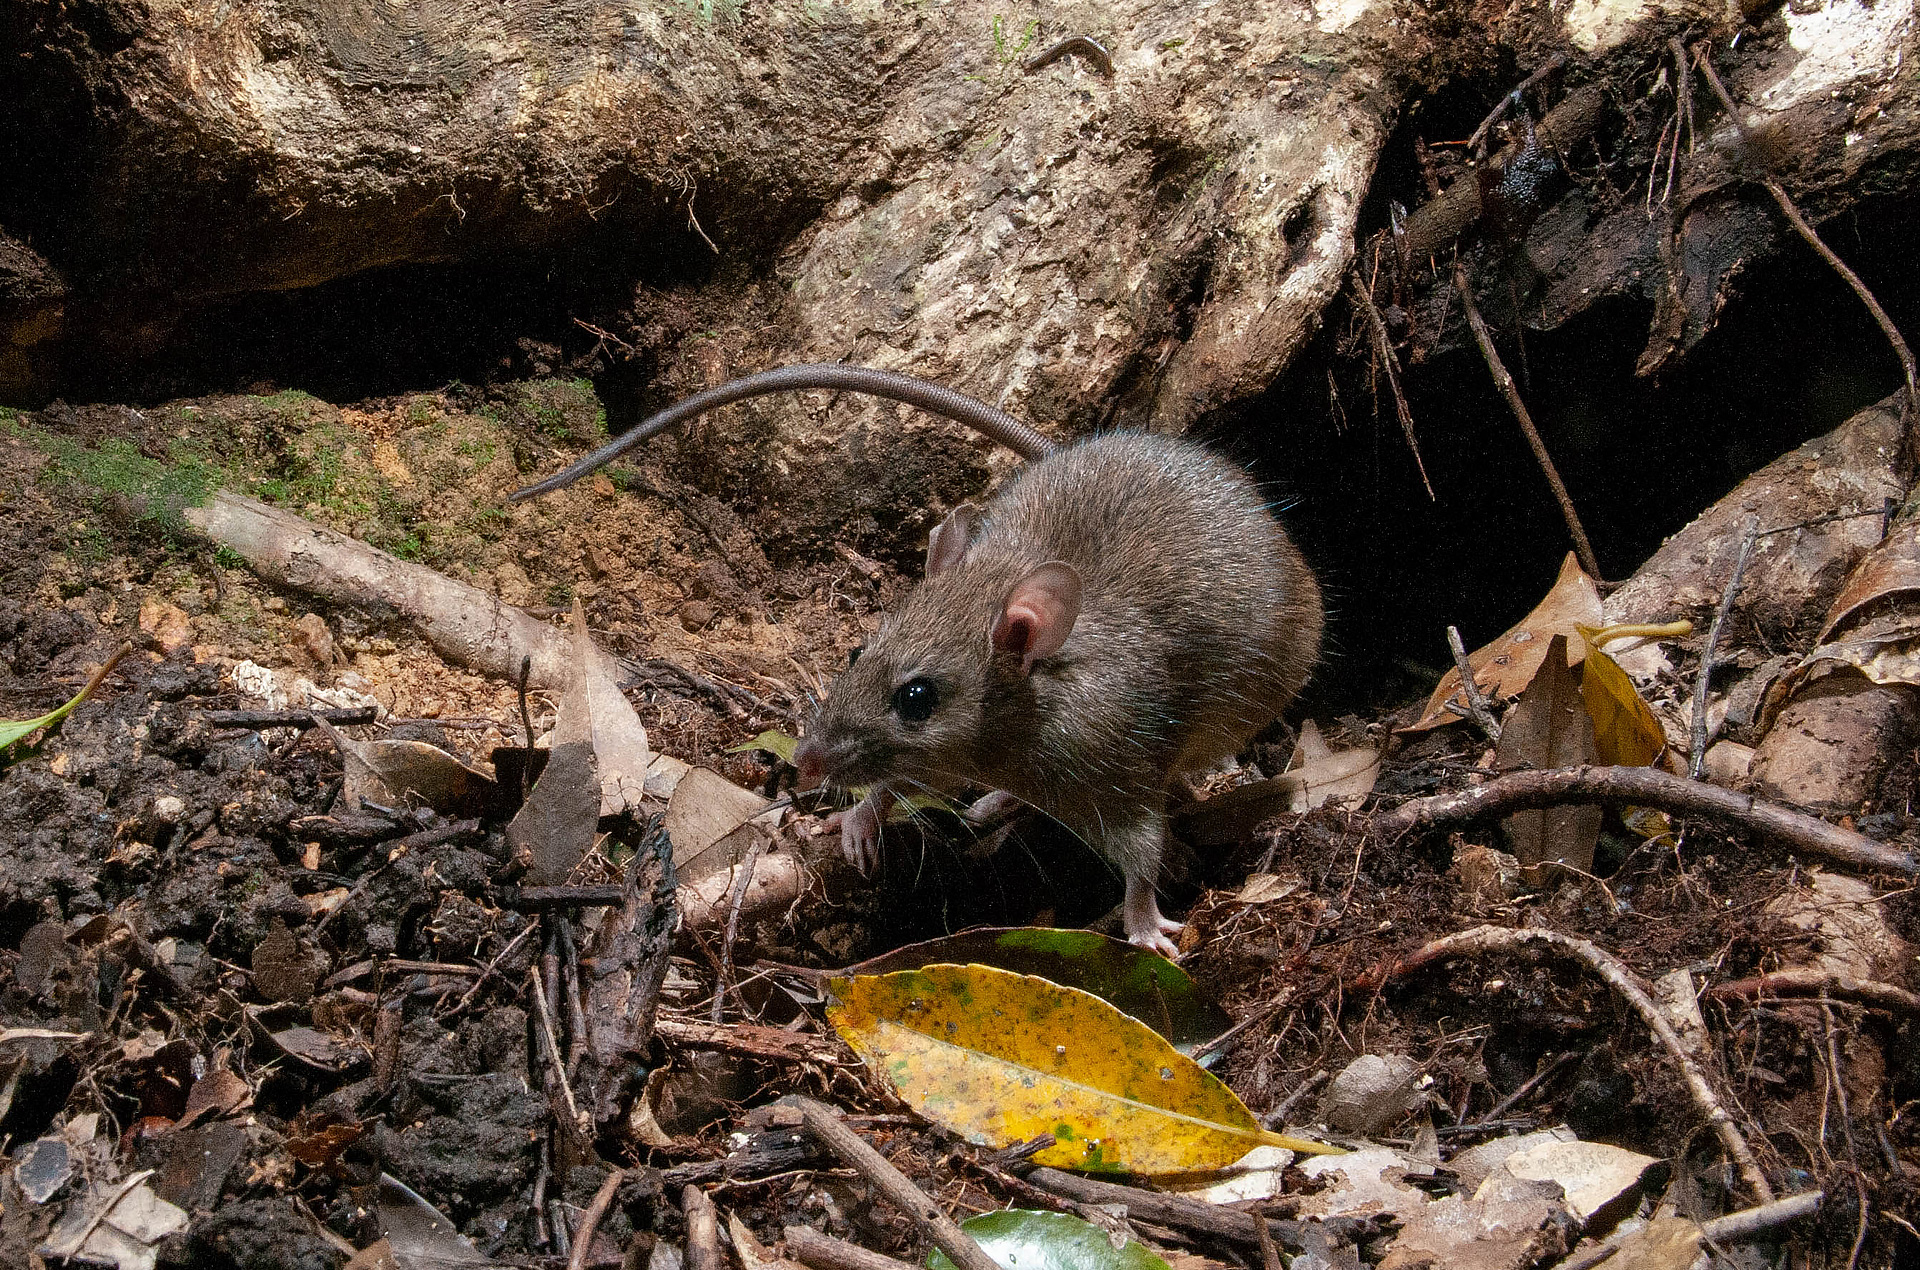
286 989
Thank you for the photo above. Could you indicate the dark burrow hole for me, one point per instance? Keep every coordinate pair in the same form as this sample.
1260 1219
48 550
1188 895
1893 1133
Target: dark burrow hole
1795 354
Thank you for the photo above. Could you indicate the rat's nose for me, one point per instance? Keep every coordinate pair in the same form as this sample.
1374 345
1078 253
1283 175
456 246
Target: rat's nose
811 759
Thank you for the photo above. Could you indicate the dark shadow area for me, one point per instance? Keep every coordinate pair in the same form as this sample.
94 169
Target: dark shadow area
1794 354
405 329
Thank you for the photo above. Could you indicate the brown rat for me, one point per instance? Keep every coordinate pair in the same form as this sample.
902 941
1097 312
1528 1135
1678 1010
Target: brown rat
1125 610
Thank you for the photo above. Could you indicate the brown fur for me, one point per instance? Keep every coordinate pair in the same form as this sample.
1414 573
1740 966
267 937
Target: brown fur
1199 623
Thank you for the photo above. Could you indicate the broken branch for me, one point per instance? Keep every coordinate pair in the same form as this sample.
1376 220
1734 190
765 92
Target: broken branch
1503 379
1804 228
1813 983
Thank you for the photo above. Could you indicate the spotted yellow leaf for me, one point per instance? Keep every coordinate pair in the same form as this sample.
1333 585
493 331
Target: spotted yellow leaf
1001 1058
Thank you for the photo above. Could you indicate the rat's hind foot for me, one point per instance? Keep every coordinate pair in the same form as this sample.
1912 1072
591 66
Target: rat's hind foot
1145 926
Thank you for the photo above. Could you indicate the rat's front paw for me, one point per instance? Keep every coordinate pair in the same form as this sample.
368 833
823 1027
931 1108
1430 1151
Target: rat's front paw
860 835
991 807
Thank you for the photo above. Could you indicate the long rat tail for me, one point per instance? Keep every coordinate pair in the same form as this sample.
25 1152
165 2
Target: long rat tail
996 425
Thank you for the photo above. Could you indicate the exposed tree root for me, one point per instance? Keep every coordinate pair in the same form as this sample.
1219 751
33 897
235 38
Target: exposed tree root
1647 787
1499 939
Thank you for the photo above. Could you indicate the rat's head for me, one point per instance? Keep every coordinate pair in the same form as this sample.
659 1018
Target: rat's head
913 703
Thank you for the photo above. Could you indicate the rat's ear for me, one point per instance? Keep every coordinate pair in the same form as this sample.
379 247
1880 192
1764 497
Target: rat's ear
947 545
1038 614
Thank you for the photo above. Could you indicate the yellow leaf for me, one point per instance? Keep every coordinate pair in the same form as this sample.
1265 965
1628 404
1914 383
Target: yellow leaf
1506 666
1624 729
1001 1058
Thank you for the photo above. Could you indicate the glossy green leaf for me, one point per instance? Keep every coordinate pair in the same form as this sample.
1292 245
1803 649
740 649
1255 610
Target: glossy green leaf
1023 1239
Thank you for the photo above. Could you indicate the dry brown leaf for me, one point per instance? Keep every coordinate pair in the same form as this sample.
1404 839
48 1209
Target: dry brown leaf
1320 774
709 811
1890 569
1507 665
1549 727
408 773
218 1093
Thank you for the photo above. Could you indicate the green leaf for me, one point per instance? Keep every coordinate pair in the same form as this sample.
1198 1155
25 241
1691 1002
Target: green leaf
1029 1240
773 741
12 730
1131 979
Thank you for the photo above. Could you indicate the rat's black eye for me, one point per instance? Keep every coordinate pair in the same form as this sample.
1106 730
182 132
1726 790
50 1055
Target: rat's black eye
854 656
915 699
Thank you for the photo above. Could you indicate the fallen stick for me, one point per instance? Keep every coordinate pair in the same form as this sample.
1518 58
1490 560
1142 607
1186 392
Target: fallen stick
1801 226
1195 1216
462 622
1749 1222
1503 380
590 1220
824 1252
287 718
1500 939
1732 1229
893 1184
1813 983
703 1231
1647 787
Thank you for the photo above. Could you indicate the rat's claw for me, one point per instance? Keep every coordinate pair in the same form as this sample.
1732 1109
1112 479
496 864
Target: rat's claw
860 832
1158 941
991 807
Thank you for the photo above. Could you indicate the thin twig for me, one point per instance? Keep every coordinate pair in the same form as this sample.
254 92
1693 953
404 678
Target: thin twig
1806 231
1503 380
1697 754
491 967
1498 939
742 876
590 1220
1512 99
552 1040
1648 787
1479 709
1390 361
894 1185
1534 1082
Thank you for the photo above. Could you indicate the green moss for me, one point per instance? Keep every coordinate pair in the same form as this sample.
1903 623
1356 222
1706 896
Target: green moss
291 405
156 492
565 410
227 558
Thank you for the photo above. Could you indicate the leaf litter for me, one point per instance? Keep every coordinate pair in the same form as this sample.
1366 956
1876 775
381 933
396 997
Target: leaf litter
305 999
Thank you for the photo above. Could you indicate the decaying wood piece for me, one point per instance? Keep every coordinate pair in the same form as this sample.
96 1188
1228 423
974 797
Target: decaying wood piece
1216 1221
629 954
1649 787
465 624
1482 940
824 1252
